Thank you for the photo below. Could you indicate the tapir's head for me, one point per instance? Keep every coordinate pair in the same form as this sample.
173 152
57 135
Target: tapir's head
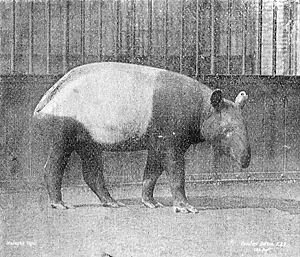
225 128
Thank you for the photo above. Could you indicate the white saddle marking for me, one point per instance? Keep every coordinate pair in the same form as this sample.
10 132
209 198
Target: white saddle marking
113 104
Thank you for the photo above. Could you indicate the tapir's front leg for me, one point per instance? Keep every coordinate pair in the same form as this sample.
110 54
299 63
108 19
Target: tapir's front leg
152 172
174 165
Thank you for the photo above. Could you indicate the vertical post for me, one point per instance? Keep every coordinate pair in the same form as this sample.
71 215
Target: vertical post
197 40
229 37
138 36
296 37
212 38
120 27
274 38
128 29
291 23
144 36
150 32
259 38
48 11
142 30
182 2
100 36
30 59
133 30
2 6
91 31
118 30
82 31
166 33
116 20
245 29
252 37
66 37
13 43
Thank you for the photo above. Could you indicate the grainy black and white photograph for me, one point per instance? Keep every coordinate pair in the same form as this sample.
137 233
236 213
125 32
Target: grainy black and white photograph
144 128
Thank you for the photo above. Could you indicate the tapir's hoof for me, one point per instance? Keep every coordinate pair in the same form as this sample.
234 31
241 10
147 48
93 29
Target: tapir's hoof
152 203
113 204
184 208
61 205
105 255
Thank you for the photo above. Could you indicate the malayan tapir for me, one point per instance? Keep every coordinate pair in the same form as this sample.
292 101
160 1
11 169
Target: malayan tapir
125 107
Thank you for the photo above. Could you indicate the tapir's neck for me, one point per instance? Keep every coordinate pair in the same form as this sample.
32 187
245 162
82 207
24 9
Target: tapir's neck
203 112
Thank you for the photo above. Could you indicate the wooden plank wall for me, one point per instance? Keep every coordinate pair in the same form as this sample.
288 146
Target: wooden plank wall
190 36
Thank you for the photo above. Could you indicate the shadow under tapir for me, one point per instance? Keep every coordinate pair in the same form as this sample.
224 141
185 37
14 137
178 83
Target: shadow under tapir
125 107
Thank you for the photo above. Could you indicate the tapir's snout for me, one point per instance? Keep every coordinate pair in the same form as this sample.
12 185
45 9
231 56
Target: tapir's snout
246 157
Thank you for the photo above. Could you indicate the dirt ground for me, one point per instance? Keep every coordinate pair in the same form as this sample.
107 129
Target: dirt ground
242 219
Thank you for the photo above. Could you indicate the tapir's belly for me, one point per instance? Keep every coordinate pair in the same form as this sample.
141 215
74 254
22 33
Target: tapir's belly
112 105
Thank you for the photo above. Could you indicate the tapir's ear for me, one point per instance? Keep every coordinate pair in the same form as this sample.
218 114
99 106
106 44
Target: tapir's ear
241 99
216 99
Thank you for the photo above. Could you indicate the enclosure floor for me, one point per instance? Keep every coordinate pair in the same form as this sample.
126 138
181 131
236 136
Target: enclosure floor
256 219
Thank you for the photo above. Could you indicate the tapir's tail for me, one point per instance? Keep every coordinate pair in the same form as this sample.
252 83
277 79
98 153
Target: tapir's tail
52 91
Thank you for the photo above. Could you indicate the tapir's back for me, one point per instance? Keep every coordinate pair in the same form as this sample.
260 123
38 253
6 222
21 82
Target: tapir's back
96 81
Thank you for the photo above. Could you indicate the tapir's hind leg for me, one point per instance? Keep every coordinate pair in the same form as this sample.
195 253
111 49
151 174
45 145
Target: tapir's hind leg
92 168
57 159
152 172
